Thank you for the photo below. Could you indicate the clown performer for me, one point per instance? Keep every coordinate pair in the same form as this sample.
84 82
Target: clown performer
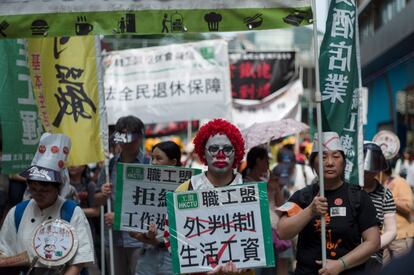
23 222
220 145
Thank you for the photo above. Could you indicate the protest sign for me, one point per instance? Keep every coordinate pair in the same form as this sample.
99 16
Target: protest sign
20 126
265 87
169 83
256 75
283 104
214 226
340 84
141 191
64 77
39 18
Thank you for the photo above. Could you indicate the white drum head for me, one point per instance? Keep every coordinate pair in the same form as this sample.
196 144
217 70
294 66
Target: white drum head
55 242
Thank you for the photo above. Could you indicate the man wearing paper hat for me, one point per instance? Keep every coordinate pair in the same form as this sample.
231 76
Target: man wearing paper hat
348 212
44 180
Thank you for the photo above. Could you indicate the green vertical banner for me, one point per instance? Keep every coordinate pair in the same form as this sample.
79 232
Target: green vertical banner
339 82
20 124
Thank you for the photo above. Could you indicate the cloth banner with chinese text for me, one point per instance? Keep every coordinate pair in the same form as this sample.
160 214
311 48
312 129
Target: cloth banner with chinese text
214 226
20 125
64 77
141 194
169 83
39 18
285 103
339 79
257 75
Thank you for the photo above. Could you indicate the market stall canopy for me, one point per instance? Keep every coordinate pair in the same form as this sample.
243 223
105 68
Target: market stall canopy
265 132
45 18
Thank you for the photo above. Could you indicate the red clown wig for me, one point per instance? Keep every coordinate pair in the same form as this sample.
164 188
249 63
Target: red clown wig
219 126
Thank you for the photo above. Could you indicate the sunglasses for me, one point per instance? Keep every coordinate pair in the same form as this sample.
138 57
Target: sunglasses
122 138
215 149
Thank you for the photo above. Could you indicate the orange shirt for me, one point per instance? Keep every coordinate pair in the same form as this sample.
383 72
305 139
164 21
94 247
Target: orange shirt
403 198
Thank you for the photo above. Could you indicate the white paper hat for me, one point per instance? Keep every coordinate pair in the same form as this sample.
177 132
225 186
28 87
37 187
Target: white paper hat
49 161
330 142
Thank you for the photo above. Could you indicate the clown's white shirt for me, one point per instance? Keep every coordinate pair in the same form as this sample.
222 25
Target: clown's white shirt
12 243
201 181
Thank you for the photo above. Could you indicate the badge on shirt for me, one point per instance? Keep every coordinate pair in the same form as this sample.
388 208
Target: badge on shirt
337 211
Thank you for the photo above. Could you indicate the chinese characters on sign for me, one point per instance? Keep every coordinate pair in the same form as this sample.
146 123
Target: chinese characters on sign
258 75
215 226
70 95
339 81
169 83
64 76
141 194
18 111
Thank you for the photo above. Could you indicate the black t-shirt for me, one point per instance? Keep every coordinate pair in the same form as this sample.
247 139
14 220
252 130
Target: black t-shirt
343 231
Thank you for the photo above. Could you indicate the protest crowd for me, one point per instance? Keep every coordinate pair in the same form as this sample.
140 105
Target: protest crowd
93 181
366 229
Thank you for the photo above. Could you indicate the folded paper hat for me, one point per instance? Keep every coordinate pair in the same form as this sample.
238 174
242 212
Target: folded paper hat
330 142
49 162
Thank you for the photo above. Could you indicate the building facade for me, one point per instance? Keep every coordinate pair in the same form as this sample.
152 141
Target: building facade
386 32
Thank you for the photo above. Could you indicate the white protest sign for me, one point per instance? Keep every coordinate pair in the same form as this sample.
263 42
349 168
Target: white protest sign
212 227
141 194
177 82
282 104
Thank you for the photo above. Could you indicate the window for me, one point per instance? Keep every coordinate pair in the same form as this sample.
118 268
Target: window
388 9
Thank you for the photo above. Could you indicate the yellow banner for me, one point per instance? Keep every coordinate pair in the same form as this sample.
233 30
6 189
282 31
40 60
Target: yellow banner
64 77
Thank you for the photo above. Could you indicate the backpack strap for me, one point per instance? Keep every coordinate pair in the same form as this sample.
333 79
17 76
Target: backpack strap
308 193
111 166
67 209
18 213
354 196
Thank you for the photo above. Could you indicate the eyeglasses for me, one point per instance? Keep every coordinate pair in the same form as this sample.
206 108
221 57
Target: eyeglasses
215 149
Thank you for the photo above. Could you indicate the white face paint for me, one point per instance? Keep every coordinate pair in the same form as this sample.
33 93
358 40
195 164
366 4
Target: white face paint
219 154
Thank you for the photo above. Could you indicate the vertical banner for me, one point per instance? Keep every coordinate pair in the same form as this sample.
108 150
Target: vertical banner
214 226
141 194
64 77
21 129
339 78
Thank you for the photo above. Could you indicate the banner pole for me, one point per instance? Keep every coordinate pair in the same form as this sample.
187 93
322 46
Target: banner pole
102 220
105 143
318 99
189 131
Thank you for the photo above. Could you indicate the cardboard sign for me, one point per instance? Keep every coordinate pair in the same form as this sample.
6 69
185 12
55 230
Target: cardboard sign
140 197
212 227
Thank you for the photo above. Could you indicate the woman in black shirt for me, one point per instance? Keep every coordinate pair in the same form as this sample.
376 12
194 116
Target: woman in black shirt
348 212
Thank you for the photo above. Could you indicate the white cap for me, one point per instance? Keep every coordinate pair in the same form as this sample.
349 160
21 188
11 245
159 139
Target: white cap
330 142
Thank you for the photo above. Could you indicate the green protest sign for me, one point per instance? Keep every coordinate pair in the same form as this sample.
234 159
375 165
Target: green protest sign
213 226
39 18
140 194
339 80
20 125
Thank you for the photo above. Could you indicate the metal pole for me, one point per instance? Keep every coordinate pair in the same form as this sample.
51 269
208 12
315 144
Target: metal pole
104 138
318 99
110 236
189 130
102 240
